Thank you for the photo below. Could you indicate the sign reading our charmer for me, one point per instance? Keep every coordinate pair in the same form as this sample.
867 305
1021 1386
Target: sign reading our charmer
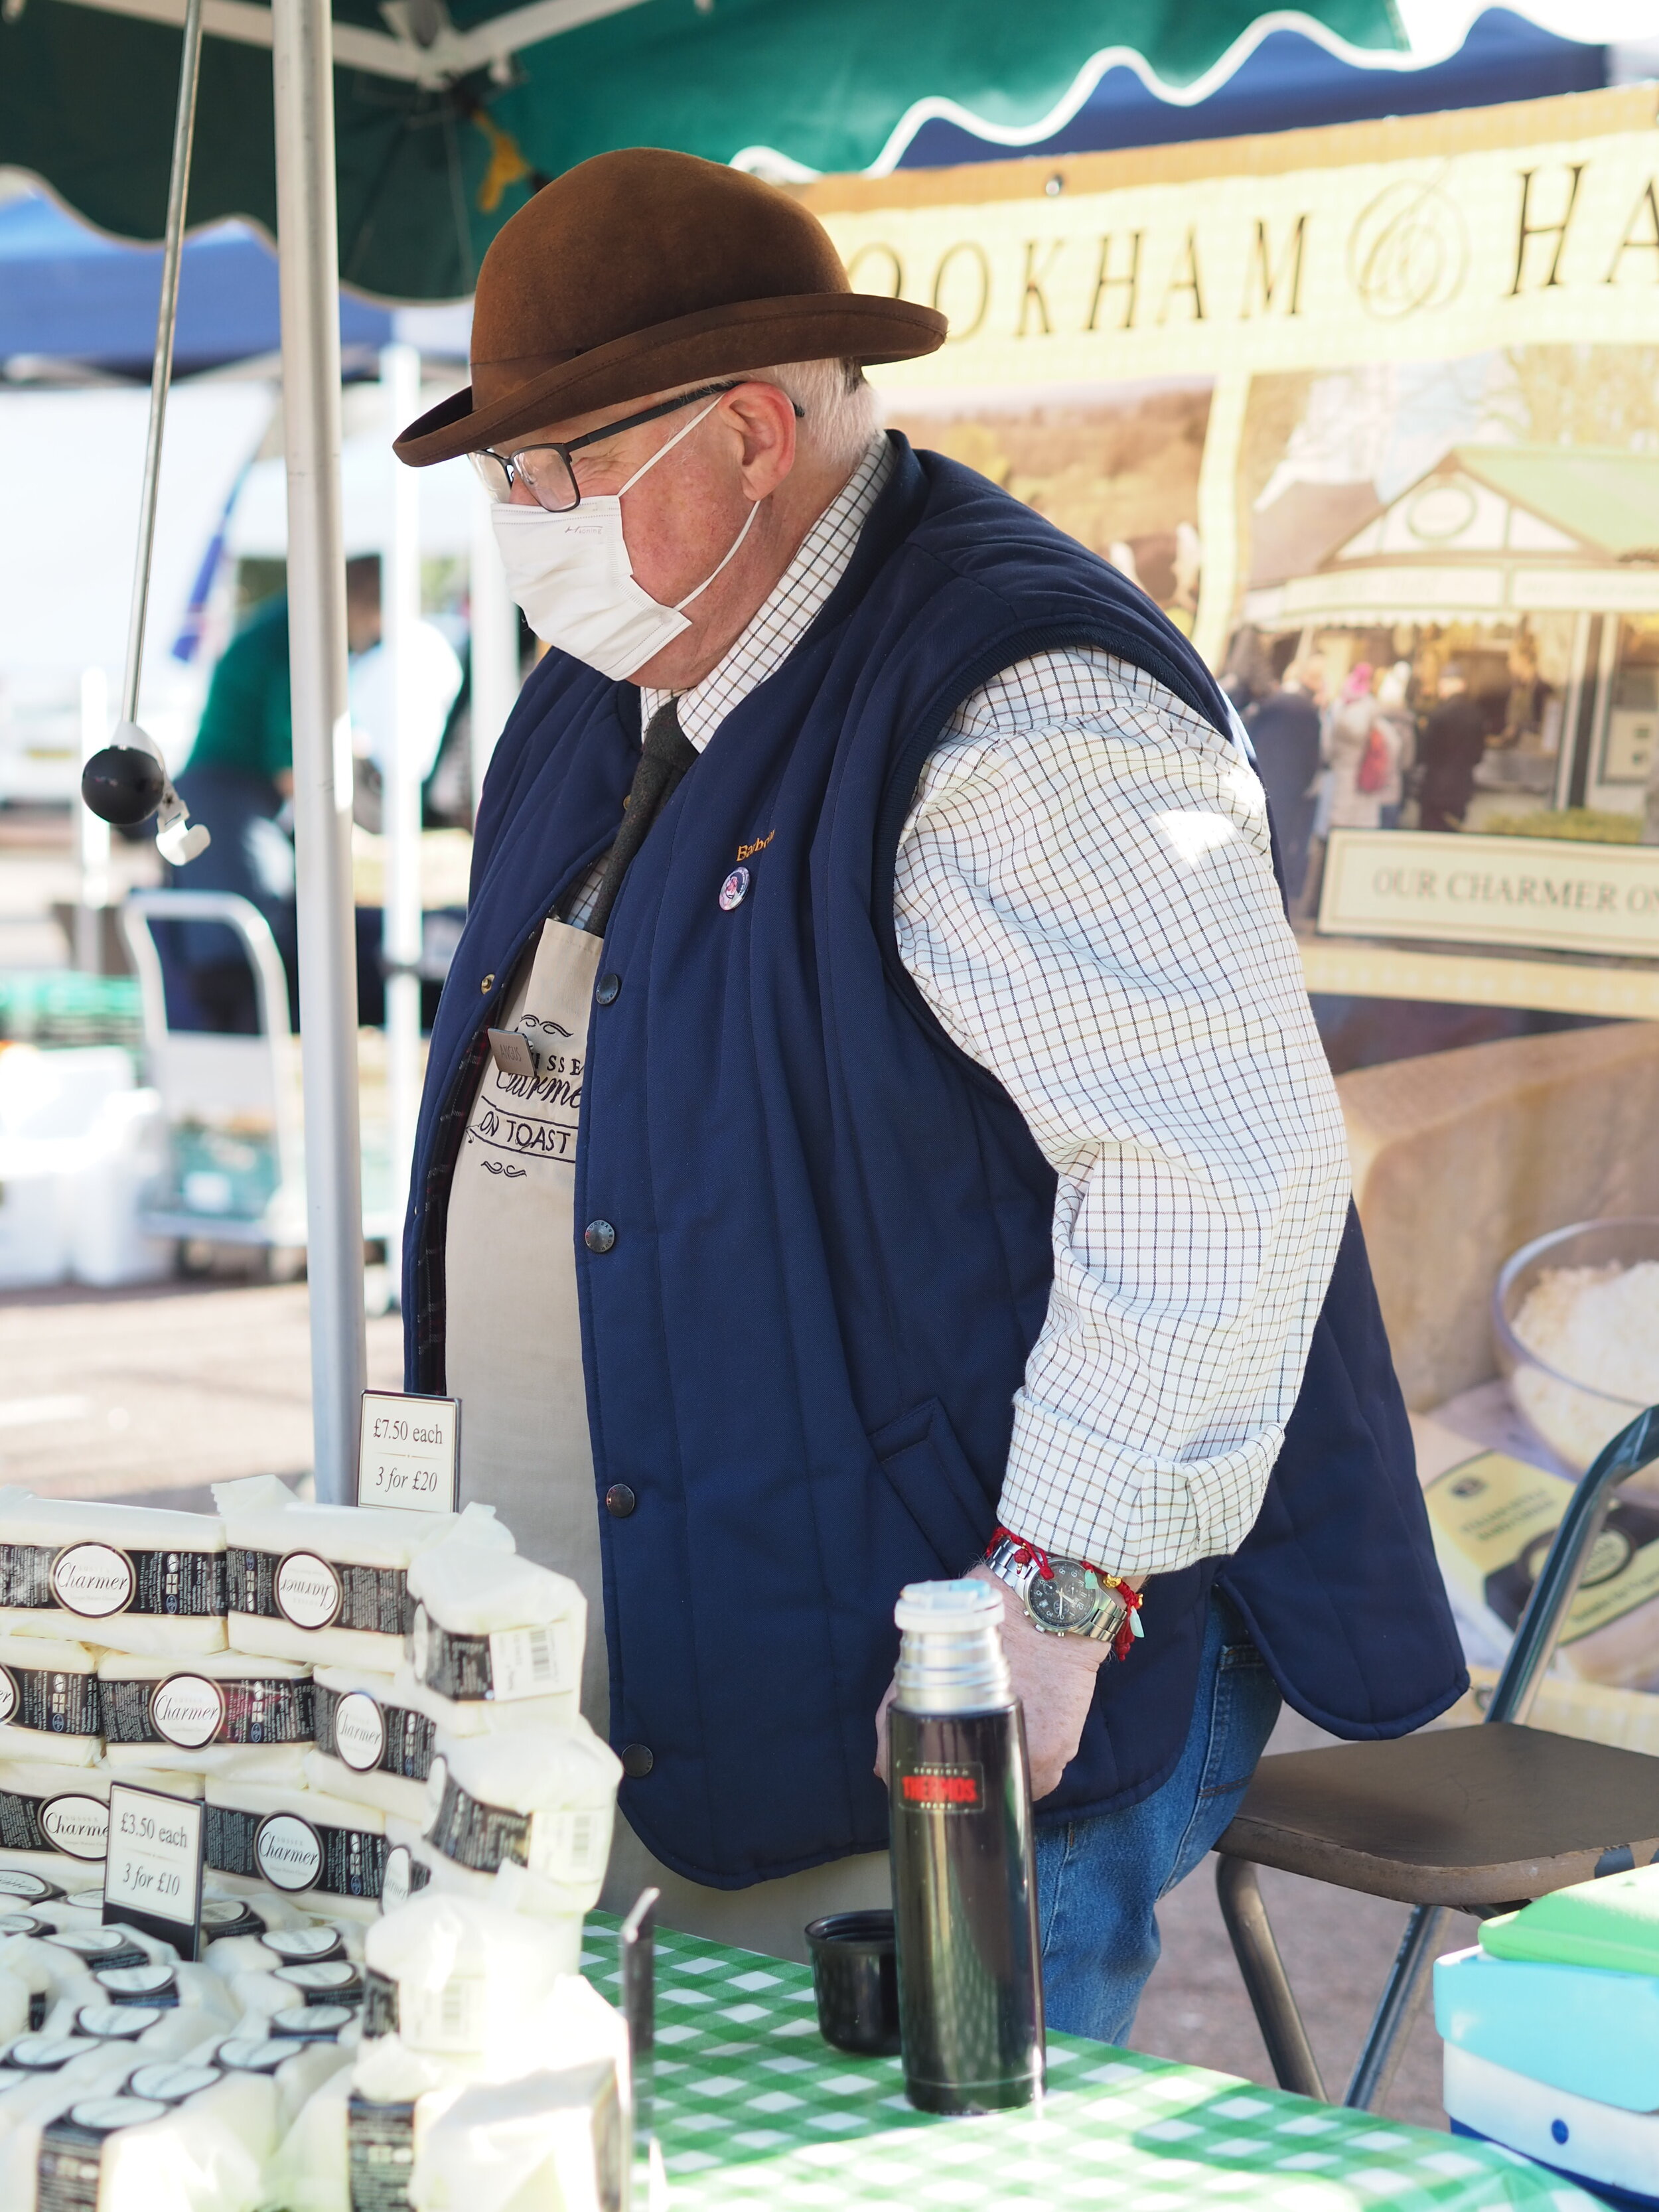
409 1452
1558 894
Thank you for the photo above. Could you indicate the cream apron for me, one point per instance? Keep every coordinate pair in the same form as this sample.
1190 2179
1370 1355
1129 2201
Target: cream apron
513 1358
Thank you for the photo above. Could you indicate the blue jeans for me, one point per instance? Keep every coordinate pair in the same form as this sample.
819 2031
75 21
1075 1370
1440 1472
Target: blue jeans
1099 1879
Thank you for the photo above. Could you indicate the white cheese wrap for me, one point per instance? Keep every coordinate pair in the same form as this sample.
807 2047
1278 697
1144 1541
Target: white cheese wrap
223 1712
499 1641
327 1584
374 1739
128 1577
472 1980
54 1819
543 1800
317 1851
49 1707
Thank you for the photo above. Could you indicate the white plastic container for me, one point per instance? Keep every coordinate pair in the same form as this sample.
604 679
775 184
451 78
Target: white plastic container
1602 2145
329 1583
226 1712
127 1577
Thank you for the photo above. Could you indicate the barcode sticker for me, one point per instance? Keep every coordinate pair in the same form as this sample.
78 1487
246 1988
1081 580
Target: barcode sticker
449 2018
571 1845
530 1662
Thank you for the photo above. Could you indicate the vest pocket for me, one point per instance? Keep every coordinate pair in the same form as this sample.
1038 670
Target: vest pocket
928 1473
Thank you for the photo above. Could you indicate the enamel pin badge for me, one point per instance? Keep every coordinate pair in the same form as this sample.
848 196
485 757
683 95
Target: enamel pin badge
734 890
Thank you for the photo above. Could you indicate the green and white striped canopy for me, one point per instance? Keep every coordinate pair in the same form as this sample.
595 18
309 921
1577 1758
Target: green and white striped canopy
448 114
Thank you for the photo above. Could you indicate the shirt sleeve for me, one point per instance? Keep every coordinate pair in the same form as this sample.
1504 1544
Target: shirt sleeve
1085 899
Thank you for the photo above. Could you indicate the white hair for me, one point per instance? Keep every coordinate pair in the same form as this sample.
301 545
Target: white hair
839 411
840 416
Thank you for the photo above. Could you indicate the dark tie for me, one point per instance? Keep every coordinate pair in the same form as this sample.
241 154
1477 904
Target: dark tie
664 756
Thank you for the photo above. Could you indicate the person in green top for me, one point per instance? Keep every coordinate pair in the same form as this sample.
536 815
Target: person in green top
248 724
238 780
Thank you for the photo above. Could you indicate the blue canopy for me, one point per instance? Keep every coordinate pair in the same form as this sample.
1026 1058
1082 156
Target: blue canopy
69 294
1289 81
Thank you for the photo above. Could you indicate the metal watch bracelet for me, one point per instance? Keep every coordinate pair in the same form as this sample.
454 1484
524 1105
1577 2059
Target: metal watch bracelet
1070 1600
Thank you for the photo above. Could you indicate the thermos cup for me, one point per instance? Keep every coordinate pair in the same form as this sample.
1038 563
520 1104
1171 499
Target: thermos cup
964 1885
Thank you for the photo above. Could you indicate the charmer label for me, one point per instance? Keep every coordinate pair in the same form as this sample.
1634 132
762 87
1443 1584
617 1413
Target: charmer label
1558 894
92 1580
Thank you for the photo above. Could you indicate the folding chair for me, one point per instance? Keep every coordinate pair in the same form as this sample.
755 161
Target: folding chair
1476 1819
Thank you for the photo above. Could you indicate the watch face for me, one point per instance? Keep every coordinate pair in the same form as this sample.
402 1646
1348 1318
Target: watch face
1067 1603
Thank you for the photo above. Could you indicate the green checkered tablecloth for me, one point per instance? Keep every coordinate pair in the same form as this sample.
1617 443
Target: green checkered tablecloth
752 2108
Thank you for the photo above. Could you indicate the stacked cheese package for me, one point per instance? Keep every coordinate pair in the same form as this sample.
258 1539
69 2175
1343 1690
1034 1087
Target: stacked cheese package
1550 2026
372 1704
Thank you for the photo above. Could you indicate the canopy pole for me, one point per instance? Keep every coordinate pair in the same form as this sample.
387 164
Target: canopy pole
400 817
308 266
160 376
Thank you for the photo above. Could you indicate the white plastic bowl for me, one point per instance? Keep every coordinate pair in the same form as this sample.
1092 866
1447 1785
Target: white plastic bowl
1572 1414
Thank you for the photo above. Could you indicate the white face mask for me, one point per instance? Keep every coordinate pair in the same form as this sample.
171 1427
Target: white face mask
571 575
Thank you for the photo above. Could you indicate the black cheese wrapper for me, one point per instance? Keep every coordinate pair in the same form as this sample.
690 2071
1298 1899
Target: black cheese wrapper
54 1703
478 1836
379 2154
257 1712
372 1598
353 1859
408 1736
170 1584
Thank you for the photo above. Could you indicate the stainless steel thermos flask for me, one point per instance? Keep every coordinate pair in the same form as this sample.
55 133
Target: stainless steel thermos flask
964 1887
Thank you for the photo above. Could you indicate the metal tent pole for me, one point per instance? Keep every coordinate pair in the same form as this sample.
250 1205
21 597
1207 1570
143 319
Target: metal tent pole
400 622
160 378
308 263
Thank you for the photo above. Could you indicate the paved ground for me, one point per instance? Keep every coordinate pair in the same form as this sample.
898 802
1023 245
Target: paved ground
151 1395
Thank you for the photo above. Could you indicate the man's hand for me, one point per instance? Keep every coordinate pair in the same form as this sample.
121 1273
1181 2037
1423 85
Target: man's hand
1054 1680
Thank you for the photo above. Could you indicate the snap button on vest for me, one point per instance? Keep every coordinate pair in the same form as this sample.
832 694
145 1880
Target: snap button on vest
638 1760
606 988
620 1501
598 1236
488 985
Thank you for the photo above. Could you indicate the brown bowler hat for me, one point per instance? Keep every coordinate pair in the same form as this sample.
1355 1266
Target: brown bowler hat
641 270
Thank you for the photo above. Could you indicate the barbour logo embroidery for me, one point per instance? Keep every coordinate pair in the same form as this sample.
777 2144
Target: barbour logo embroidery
748 852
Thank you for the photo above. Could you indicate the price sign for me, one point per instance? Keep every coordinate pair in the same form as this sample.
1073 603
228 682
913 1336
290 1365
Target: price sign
409 1452
153 1872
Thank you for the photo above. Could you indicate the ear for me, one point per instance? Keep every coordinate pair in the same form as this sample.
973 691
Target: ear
764 420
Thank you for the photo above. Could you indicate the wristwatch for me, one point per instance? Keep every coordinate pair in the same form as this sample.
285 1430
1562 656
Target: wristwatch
1070 1600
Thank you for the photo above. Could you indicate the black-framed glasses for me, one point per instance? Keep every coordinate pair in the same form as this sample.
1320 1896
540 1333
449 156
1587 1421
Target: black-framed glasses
545 472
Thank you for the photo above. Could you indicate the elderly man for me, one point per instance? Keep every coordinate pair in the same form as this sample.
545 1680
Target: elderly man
874 1119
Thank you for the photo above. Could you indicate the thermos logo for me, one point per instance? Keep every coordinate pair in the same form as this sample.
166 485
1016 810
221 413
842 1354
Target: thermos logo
308 1590
288 1851
187 1709
93 1580
945 1789
77 1825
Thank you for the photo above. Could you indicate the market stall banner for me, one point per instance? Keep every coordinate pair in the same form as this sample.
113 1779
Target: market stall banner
1388 359
443 127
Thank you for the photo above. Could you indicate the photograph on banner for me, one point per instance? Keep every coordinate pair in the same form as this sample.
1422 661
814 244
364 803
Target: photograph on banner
1114 466
1372 412
1459 561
